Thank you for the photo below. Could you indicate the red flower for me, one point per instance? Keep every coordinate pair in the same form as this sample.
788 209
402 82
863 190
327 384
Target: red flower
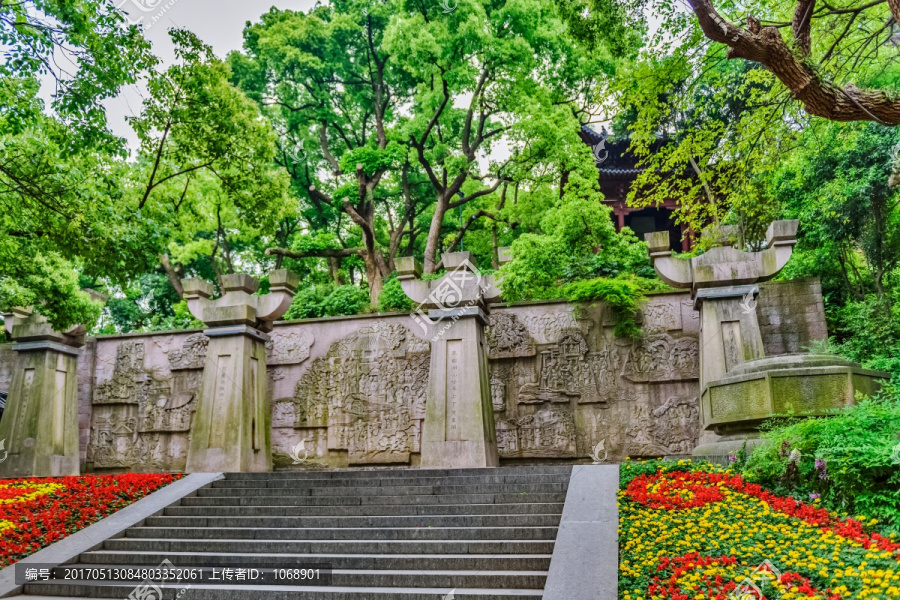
52 508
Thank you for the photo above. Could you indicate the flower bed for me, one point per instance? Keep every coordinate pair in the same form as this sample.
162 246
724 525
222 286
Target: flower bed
34 513
691 532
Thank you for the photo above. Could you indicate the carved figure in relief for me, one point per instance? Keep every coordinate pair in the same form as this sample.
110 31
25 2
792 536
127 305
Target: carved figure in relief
663 358
566 371
369 391
548 328
676 424
192 354
498 393
670 429
507 337
661 317
138 405
288 348
549 432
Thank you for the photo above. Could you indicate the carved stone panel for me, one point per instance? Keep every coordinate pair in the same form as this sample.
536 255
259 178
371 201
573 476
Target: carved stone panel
549 432
670 429
369 392
192 354
507 337
662 317
141 416
288 348
660 357
547 328
591 388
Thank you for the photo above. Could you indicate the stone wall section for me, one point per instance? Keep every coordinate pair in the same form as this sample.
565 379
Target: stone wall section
351 390
791 315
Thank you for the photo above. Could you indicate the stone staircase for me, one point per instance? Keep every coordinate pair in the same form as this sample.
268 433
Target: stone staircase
388 534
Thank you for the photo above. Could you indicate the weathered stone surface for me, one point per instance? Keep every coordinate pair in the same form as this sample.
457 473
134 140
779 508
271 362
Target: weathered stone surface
365 400
231 429
459 427
40 422
791 316
584 386
799 384
564 385
144 396
739 386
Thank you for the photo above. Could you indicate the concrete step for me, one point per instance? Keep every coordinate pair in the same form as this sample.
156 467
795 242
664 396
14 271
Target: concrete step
347 533
465 498
386 534
271 592
375 481
545 520
285 498
283 560
350 511
358 546
400 490
393 473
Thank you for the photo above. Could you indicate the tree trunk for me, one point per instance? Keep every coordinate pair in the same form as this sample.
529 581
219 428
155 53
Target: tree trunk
434 237
172 275
334 269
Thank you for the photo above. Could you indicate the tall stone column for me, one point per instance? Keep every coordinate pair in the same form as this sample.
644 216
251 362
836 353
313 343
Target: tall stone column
40 423
231 429
459 420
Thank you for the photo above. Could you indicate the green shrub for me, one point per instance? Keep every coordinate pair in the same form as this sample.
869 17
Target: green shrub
848 459
328 300
346 300
868 332
623 297
308 303
392 298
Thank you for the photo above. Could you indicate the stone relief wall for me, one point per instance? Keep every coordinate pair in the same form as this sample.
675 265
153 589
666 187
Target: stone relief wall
362 402
561 382
142 401
348 391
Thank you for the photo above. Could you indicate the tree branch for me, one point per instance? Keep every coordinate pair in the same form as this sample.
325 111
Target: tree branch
322 253
820 97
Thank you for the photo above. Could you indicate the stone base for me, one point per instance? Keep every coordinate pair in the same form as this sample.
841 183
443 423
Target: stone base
720 450
792 384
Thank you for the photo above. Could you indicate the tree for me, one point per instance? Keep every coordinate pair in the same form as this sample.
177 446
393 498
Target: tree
205 180
332 89
487 72
852 37
58 171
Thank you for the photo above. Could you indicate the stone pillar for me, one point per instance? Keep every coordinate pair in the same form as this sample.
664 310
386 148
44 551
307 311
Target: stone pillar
739 386
231 428
729 329
723 285
459 420
40 422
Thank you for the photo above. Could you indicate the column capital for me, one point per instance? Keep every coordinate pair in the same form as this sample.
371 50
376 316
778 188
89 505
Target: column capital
239 306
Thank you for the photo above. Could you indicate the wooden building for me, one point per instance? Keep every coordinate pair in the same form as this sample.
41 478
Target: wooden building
618 170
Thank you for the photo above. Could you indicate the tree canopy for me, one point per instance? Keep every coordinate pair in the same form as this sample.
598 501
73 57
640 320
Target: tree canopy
345 136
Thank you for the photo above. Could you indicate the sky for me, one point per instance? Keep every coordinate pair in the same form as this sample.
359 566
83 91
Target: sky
219 23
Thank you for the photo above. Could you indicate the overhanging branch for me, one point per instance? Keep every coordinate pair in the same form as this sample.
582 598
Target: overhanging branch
819 96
